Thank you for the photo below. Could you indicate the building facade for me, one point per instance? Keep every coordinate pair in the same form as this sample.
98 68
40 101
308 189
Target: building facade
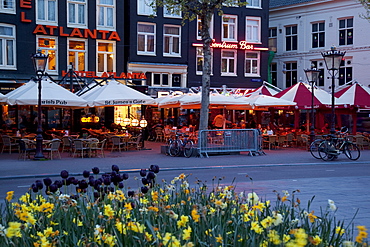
300 30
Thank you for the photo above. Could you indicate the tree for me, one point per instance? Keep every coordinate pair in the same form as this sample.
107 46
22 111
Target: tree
366 4
204 10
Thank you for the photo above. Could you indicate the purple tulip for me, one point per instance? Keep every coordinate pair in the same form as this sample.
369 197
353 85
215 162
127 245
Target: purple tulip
145 181
154 168
115 168
47 181
143 172
64 174
58 183
96 170
131 193
39 184
124 176
86 174
120 185
34 188
144 189
151 175
53 188
83 184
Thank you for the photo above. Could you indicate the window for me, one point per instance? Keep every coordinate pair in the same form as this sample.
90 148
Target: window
106 56
7 6
318 34
171 40
228 63
146 39
346 31
252 64
253 32
144 8
229 26
106 14
77 12
319 65
291 38
77 54
291 74
160 79
199 28
175 12
273 39
46 11
253 4
345 72
200 61
49 46
7 46
273 73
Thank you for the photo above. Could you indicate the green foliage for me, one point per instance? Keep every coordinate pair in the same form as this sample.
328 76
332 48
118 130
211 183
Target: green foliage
366 4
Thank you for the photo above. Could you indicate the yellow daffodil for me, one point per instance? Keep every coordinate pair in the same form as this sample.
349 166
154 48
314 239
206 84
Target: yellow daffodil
219 239
195 215
312 217
108 211
339 230
186 233
9 195
183 221
14 230
315 240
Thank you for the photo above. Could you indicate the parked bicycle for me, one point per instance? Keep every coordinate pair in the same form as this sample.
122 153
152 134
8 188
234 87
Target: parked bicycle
334 145
180 146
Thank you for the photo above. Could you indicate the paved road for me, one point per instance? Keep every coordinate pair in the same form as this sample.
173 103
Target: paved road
344 181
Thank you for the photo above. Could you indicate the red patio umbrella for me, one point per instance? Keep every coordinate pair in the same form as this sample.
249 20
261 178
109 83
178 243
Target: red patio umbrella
264 90
355 95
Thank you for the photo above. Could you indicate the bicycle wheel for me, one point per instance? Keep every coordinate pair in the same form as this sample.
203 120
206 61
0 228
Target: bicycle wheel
174 149
314 148
188 149
351 151
324 150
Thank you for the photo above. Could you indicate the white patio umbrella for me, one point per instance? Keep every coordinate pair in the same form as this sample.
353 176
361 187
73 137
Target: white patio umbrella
216 100
2 98
51 95
115 93
260 101
171 101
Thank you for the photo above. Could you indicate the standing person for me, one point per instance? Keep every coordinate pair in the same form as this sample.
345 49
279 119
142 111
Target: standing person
219 121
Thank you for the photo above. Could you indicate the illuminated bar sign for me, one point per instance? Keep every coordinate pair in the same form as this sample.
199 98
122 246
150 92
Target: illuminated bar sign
92 74
242 45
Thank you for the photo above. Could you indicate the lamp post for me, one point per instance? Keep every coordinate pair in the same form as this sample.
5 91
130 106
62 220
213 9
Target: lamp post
39 63
312 75
333 58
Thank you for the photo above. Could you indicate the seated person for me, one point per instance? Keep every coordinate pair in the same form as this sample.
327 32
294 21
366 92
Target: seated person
268 131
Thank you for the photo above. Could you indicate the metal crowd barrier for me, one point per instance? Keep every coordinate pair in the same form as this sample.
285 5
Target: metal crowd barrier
230 140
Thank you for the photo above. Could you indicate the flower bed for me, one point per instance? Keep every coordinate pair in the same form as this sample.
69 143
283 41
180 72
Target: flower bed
97 210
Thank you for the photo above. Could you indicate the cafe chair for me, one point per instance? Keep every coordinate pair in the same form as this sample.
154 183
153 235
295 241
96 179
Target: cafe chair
135 142
97 147
53 148
67 144
8 144
159 135
80 148
270 141
359 141
117 144
281 141
25 150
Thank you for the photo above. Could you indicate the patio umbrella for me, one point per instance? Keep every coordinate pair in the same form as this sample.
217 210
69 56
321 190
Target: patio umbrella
2 98
170 101
301 94
262 102
216 100
115 93
51 95
264 90
355 95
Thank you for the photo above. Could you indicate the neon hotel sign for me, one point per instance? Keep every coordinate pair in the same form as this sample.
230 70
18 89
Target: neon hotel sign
60 31
241 45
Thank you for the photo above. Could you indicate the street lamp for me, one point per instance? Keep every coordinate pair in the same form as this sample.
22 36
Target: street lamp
333 58
39 64
312 75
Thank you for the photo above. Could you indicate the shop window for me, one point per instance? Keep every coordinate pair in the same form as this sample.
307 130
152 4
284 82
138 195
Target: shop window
145 39
172 39
252 64
318 34
7 6
144 7
106 14
291 38
46 11
228 63
77 12
346 31
200 60
229 28
106 56
49 46
273 39
77 54
253 32
7 46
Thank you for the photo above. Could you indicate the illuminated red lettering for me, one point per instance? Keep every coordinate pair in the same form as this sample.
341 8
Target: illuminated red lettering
51 29
26 4
61 32
114 36
23 17
103 34
76 33
122 75
88 33
39 29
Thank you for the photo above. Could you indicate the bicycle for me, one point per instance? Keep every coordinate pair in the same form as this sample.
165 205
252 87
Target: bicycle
181 146
333 146
314 148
